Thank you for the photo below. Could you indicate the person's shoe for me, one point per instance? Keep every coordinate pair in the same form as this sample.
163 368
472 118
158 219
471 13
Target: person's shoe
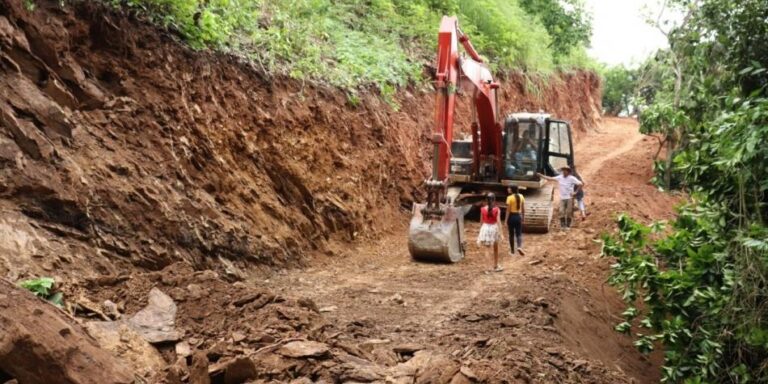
498 269
521 252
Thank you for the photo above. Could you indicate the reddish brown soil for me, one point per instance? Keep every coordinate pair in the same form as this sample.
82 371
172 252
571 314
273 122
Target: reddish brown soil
547 310
129 162
547 318
126 149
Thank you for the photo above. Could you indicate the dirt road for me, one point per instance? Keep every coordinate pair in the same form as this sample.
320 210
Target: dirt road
548 306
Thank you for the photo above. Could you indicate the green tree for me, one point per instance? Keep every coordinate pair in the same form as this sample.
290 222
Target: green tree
618 89
567 21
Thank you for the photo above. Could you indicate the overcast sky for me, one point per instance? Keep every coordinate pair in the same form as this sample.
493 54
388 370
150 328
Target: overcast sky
620 33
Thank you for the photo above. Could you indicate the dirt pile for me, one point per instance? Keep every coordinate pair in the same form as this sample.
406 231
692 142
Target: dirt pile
40 344
235 330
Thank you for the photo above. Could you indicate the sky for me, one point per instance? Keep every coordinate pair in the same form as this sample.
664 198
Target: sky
620 32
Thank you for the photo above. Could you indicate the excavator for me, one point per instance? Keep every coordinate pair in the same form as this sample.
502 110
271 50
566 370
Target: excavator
499 153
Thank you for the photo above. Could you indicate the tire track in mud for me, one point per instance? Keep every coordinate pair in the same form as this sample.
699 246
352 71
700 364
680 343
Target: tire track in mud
595 164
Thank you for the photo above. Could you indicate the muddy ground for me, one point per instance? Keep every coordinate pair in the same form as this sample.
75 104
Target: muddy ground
548 307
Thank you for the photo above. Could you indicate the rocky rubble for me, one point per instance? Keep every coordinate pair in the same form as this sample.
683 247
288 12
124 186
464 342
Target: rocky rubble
231 333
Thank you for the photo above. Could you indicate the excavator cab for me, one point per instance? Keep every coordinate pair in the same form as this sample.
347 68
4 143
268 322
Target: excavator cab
523 141
535 143
531 143
559 147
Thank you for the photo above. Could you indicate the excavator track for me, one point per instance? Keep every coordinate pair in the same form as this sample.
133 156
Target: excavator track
539 204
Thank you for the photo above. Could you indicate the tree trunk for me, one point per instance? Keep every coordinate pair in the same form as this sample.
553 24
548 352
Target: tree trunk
671 142
39 343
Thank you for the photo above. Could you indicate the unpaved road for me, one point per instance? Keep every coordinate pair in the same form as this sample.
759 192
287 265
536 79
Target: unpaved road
554 297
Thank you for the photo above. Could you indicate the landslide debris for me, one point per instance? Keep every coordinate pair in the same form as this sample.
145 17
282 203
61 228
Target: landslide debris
40 344
237 332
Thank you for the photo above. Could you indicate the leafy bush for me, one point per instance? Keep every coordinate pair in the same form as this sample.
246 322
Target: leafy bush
702 290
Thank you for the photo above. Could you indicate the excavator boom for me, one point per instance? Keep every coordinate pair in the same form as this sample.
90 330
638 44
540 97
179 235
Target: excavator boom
436 229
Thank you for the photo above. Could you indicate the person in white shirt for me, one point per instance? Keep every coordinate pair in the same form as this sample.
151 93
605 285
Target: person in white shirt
568 186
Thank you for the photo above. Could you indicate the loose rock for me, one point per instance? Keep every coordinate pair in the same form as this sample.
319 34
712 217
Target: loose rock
299 349
157 320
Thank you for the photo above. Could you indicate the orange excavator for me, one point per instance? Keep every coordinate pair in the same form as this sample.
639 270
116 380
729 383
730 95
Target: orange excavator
499 153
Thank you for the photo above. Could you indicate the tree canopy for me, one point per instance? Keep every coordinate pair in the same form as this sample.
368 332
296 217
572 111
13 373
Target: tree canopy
619 85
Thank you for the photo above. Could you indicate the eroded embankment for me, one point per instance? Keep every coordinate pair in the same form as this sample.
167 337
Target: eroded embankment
120 148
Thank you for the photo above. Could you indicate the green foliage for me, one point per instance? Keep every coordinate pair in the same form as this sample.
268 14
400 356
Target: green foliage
619 85
702 290
682 290
566 21
506 34
41 287
740 40
354 43
718 53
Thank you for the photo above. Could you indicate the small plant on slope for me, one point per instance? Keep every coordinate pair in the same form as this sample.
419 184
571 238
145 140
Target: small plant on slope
41 287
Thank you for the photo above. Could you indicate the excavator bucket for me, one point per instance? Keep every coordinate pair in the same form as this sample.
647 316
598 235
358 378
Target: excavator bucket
437 239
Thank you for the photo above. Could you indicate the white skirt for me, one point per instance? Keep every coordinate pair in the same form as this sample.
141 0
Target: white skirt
489 234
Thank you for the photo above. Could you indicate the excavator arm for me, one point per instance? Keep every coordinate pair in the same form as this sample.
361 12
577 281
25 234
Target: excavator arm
450 68
437 226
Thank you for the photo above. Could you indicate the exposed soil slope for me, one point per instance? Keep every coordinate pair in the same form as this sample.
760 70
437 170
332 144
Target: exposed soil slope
122 148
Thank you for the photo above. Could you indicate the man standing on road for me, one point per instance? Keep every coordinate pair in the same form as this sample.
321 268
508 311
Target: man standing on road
568 186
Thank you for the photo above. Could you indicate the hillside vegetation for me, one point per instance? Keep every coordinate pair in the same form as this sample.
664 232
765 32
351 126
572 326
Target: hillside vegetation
704 283
353 43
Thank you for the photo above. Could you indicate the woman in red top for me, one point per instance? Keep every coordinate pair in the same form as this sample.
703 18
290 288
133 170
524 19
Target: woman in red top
490 235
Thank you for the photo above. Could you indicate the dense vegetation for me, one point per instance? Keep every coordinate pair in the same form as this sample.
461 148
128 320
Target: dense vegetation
700 288
353 43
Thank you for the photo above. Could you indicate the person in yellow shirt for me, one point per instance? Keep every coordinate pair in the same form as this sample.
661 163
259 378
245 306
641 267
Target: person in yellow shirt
514 219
